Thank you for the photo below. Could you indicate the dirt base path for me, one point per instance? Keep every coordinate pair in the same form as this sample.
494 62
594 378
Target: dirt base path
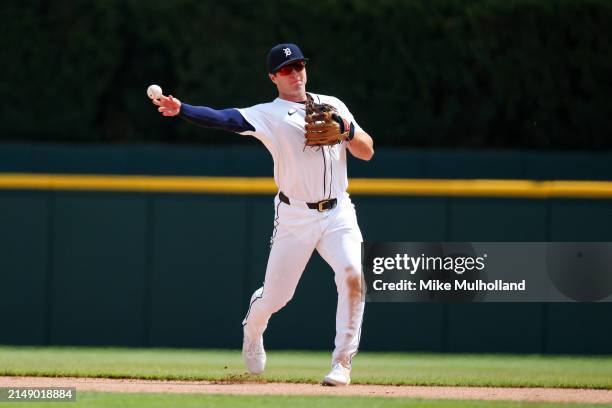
405 391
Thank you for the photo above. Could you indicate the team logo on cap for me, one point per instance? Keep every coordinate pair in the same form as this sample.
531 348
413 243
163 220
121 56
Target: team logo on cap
287 51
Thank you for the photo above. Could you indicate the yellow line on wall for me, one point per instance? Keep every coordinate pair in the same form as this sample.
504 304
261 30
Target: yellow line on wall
483 188
162 184
265 185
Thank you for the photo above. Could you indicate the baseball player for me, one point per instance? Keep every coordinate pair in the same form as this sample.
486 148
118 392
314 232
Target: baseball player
308 136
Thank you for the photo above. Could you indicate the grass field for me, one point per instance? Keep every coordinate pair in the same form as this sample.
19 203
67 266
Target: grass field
99 400
290 366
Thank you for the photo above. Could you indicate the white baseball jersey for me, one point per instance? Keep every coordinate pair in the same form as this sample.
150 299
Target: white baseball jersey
308 174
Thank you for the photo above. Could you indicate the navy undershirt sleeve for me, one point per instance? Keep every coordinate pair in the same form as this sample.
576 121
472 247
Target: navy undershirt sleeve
225 119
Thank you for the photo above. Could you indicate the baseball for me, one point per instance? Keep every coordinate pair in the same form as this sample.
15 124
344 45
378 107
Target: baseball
154 92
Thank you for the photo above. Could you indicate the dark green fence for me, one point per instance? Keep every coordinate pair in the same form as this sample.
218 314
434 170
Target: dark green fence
156 269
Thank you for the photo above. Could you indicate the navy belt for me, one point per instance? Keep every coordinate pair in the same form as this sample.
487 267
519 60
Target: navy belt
321 206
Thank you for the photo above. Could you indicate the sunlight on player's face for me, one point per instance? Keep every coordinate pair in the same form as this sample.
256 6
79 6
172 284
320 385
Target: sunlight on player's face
291 85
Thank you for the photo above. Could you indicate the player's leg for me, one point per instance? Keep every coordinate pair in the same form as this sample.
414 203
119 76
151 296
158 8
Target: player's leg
341 249
288 257
286 262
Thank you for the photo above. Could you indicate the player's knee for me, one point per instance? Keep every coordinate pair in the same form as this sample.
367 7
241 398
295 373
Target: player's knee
275 303
353 280
350 278
352 271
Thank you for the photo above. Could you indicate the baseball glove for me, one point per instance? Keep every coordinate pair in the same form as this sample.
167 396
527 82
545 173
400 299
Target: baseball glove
324 127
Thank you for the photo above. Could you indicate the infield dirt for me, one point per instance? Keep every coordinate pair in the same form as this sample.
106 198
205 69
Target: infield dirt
265 388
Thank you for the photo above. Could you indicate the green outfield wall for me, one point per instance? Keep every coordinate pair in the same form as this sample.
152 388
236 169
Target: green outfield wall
177 269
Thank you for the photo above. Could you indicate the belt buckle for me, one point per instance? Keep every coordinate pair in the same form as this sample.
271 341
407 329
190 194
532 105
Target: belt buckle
320 205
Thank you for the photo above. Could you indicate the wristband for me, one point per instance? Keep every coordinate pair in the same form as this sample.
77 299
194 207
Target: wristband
351 134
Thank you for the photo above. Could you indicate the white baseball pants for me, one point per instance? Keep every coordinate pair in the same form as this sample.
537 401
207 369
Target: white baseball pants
336 236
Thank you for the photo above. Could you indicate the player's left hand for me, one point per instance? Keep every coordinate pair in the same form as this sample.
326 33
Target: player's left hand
168 105
327 128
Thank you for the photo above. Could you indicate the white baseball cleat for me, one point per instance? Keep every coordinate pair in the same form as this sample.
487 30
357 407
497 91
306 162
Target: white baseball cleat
254 355
339 375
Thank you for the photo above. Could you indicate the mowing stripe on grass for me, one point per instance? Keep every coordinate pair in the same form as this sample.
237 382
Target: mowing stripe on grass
309 367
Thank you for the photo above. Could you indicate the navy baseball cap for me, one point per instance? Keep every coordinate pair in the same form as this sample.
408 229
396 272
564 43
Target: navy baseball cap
283 54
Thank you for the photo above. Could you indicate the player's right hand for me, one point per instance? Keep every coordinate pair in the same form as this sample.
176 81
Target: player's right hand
168 105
